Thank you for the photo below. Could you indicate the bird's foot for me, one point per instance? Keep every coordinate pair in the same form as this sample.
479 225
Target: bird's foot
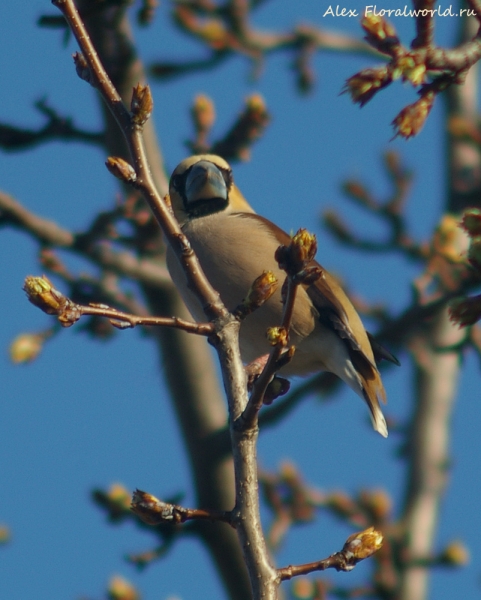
278 385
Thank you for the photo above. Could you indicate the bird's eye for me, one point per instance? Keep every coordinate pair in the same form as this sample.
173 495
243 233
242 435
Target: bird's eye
177 182
228 178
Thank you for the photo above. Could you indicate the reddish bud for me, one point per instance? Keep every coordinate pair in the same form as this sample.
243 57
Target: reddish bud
277 335
298 254
364 85
262 289
203 112
141 105
5 534
378 28
455 555
449 240
471 221
121 589
152 510
26 347
40 291
465 311
377 502
121 169
255 105
410 120
119 495
303 588
362 545
82 67
474 252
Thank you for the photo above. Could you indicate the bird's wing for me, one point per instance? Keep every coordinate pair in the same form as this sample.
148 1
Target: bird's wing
334 307
335 311
380 352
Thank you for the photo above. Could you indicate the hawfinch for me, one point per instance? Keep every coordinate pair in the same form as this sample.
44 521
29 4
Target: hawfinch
234 246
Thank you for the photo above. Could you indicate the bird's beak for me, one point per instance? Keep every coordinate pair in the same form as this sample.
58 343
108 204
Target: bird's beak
204 182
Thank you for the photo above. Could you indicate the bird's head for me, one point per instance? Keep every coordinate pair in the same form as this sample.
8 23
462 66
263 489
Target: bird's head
203 185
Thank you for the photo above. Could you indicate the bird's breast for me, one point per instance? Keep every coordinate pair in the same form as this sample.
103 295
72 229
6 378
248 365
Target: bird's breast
233 251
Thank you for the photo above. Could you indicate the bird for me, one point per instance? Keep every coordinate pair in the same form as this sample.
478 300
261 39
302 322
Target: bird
234 245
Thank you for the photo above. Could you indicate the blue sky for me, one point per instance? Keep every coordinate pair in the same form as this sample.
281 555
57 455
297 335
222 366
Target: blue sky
76 418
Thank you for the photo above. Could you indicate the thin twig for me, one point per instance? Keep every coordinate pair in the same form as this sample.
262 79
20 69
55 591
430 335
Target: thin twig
256 399
357 547
132 131
122 320
153 511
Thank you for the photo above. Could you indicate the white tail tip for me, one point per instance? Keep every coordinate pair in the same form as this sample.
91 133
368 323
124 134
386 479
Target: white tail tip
379 423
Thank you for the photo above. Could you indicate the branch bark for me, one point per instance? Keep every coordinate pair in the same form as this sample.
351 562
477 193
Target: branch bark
189 370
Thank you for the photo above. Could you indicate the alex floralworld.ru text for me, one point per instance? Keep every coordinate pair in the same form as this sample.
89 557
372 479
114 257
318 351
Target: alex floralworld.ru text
336 10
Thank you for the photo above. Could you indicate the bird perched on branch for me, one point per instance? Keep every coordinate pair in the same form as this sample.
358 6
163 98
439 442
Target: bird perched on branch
234 246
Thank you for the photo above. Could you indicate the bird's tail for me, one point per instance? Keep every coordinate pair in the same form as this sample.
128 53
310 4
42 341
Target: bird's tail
373 392
362 376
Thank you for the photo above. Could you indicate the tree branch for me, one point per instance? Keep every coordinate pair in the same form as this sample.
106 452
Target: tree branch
49 233
262 575
13 139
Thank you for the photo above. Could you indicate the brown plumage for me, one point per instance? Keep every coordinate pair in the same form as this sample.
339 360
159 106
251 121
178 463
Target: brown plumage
235 245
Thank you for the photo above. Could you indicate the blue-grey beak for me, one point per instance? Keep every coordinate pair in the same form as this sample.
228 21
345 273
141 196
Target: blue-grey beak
205 181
